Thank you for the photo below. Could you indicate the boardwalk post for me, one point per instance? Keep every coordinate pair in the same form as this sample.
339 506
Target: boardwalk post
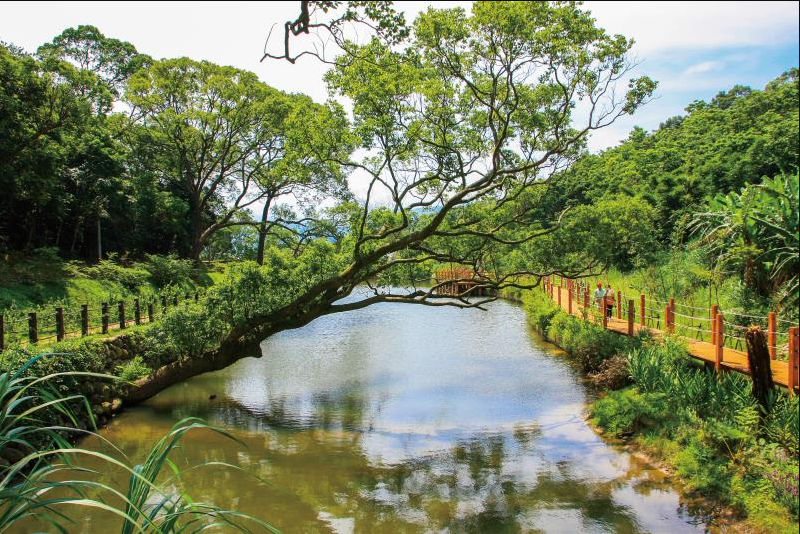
619 304
642 319
559 296
586 297
104 312
671 316
631 314
121 313
569 300
604 310
33 328
714 312
720 340
137 312
150 312
59 324
794 347
667 321
771 335
84 319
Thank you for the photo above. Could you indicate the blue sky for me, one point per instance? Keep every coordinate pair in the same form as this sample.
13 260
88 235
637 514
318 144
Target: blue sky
694 49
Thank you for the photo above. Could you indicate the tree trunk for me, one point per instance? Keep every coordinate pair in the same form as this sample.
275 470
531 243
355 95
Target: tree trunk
99 241
759 361
262 232
197 231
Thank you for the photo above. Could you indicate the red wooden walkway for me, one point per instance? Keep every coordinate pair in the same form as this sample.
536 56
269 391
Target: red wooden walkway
723 358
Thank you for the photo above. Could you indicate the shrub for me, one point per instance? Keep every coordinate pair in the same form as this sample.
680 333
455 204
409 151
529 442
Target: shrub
612 373
169 270
129 277
626 411
133 370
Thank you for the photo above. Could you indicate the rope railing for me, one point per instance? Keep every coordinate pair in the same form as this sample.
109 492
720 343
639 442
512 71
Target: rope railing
724 328
48 323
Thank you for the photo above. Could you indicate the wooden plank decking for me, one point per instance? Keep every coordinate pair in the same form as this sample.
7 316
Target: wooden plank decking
734 360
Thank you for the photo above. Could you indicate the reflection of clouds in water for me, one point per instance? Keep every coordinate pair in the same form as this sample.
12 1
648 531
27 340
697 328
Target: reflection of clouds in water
401 418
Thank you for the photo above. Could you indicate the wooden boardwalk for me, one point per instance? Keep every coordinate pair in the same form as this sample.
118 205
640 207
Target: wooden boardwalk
731 359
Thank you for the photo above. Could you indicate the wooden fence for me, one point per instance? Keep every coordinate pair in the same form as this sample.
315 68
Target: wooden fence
714 335
58 323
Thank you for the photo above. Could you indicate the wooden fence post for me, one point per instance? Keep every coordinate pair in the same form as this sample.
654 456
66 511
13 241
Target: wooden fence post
59 324
33 328
714 312
150 312
794 348
642 319
586 297
569 301
121 313
603 310
719 347
772 327
84 319
104 312
631 314
671 315
667 325
559 296
619 304
137 312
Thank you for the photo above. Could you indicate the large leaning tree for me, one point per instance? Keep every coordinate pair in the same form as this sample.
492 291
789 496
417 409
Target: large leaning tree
461 126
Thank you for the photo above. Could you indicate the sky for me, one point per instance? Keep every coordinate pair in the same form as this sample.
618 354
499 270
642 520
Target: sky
693 49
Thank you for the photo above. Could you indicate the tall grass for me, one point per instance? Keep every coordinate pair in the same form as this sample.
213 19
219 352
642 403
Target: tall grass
44 483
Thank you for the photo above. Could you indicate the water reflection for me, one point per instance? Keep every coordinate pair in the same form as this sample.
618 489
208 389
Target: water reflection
405 419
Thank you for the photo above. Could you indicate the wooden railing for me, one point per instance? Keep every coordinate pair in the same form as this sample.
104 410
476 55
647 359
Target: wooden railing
713 335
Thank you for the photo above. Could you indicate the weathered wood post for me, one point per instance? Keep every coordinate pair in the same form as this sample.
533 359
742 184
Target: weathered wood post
569 301
559 296
104 312
794 349
137 312
121 314
84 319
714 312
59 324
758 359
631 314
604 311
720 340
33 328
586 297
642 319
150 312
772 327
619 304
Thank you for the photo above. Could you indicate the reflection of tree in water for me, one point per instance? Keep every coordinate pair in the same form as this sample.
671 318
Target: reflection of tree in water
315 466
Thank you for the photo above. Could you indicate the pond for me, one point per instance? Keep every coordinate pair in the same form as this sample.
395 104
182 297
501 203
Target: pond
401 418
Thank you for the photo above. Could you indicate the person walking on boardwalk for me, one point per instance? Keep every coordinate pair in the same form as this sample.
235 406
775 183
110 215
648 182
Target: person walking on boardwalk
609 296
598 295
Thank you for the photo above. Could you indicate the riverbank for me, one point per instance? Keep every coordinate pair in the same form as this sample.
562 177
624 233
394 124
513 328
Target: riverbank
707 430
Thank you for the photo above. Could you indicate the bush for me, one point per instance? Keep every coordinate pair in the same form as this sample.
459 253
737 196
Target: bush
133 370
131 278
169 270
627 411
612 373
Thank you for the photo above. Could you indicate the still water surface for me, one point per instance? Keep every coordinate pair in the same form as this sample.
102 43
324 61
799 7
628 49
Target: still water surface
399 418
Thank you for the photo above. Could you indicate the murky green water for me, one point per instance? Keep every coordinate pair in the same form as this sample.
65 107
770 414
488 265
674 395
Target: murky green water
400 418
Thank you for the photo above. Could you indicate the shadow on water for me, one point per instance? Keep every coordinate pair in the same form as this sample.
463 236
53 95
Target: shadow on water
401 419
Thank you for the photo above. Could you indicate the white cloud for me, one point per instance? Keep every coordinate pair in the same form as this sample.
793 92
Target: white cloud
703 67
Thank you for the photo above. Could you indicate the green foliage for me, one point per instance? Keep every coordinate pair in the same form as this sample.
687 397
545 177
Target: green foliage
131 278
133 370
169 270
626 411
